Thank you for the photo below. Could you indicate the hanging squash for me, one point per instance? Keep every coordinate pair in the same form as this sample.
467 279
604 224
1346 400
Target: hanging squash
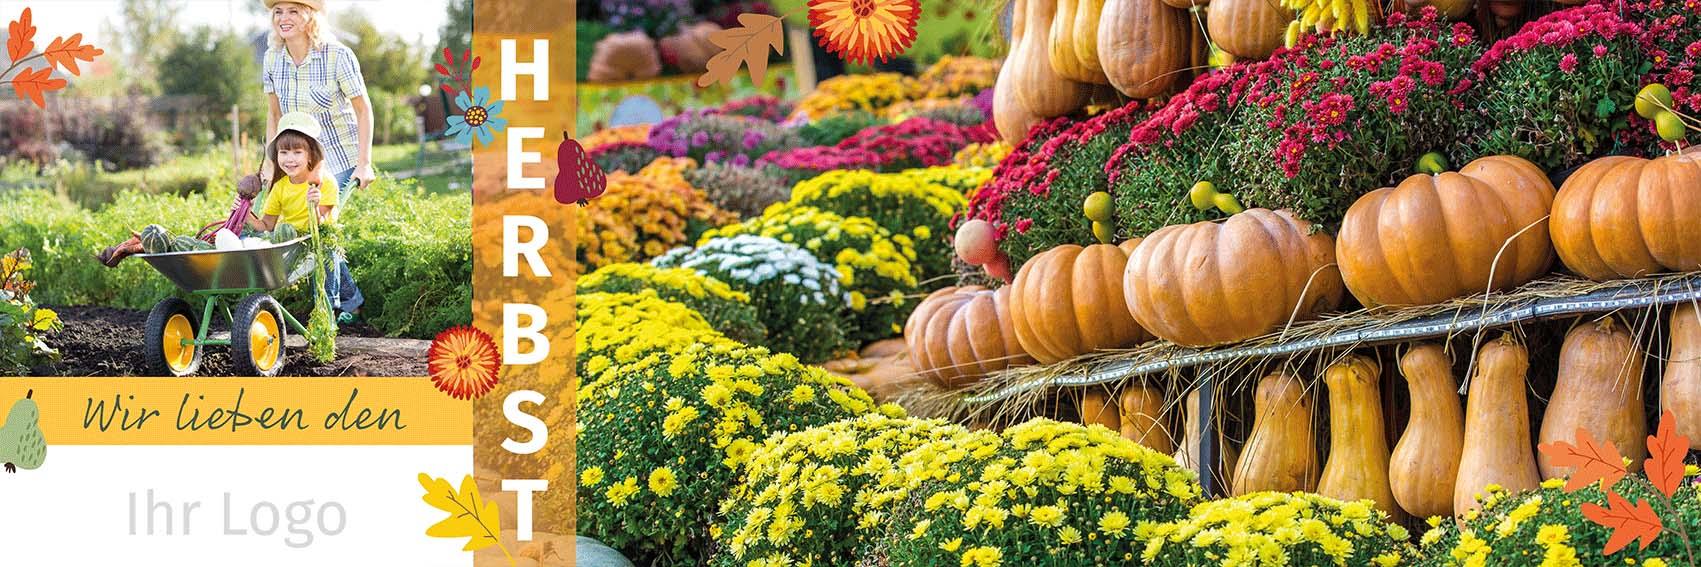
1625 217
1497 447
1212 283
1143 418
1074 49
1425 463
1187 456
1358 444
960 334
1248 29
1097 407
1680 388
1065 302
1143 46
1281 453
1599 390
1042 91
1436 237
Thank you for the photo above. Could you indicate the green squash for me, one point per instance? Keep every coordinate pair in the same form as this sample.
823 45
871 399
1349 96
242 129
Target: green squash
284 232
189 244
155 239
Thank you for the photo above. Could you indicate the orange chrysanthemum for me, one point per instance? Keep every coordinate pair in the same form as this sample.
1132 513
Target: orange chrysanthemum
463 361
863 30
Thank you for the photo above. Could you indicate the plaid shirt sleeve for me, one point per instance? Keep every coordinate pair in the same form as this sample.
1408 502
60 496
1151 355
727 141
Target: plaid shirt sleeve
266 64
349 79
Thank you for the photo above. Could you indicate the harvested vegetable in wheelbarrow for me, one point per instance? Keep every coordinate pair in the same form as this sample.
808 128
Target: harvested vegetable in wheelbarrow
321 325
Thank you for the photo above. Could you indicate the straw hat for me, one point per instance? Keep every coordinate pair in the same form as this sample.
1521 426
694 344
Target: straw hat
316 5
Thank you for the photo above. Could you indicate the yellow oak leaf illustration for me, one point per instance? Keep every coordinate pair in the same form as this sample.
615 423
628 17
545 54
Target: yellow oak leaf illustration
746 45
470 516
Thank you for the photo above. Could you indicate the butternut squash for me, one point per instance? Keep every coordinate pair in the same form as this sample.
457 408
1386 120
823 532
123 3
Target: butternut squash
1425 462
1358 444
1096 407
1680 388
1143 418
1040 88
1281 452
1143 46
1187 456
1599 390
1073 51
1497 447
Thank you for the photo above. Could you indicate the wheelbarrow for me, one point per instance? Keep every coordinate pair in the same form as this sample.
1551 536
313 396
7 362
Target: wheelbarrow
236 284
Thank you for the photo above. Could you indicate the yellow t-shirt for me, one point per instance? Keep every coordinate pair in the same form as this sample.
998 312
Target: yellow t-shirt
289 202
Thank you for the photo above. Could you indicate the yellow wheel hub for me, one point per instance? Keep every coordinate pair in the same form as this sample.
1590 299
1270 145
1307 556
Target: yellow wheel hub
179 338
263 340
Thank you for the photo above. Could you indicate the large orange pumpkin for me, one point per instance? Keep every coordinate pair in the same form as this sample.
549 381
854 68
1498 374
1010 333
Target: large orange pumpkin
1219 282
1143 46
1436 237
1622 217
960 334
1247 29
1066 302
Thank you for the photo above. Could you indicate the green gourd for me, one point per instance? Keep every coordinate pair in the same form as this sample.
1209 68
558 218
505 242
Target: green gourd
189 244
284 232
155 239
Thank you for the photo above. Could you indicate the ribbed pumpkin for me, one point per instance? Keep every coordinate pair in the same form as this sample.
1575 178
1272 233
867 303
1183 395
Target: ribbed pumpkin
1248 29
1425 463
1680 388
1599 390
1497 446
1622 217
1074 49
960 334
1042 91
1065 302
1358 445
1280 454
1142 418
1143 46
1219 282
1436 237
1187 455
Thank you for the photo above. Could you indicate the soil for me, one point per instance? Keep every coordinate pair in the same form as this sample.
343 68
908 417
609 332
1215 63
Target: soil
105 341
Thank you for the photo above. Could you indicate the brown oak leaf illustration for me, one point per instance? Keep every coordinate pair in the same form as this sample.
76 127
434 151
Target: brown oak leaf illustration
64 52
30 84
746 45
1666 450
1591 460
1627 522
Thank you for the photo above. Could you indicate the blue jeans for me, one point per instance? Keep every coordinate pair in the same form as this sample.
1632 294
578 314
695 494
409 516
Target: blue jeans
340 287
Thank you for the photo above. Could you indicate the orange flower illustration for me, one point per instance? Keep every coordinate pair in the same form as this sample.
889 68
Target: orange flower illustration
863 30
463 362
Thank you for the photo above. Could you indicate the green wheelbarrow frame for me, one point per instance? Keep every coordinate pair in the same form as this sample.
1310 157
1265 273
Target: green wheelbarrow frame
237 283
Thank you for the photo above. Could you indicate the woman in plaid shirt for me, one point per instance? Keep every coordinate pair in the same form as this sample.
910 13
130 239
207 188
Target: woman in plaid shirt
303 71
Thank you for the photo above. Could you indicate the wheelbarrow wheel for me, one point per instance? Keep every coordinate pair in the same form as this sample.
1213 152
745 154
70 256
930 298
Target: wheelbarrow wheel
168 341
257 336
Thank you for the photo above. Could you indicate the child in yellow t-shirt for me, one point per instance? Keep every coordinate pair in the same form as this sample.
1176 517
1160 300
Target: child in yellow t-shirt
296 157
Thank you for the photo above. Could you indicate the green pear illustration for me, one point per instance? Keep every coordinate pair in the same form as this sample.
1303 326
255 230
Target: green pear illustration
21 443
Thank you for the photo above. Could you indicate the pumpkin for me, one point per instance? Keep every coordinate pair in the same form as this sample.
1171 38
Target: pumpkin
1211 283
1622 217
1143 46
1097 408
1497 447
1142 418
190 244
690 48
1425 463
1186 4
155 239
1248 29
624 57
1073 50
1680 388
1187 456
1357 468
1436 237
959 334
1599 390
1065 302
1280 453
1040 89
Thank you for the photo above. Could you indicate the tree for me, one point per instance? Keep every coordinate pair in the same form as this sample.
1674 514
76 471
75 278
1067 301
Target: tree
142 30
388 62
219 67
456 34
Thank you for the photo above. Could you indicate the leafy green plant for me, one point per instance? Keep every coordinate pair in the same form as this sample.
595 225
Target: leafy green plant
834 128
22 322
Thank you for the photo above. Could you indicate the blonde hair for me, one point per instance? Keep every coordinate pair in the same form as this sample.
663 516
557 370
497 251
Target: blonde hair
313 26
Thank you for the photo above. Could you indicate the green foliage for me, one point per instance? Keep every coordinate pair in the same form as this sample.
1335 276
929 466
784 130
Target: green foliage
588 34
387 62
219 67
837 126
456 33
22 323
1517 529
411 253
142 30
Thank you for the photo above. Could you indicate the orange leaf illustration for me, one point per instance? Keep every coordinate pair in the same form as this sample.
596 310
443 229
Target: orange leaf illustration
30 84
1627 522
746 45
1666 450
1590 459
64 53
21 34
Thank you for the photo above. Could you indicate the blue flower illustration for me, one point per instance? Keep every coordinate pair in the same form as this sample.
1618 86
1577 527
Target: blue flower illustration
476 118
